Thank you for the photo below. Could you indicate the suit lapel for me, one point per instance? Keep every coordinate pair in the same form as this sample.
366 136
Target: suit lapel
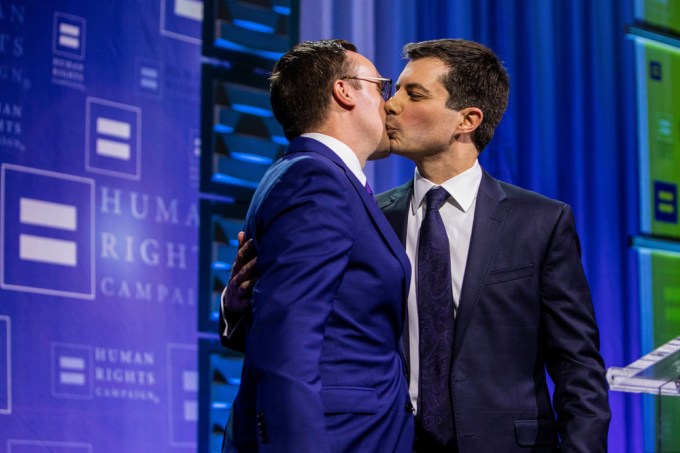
490 216
394 205
310 145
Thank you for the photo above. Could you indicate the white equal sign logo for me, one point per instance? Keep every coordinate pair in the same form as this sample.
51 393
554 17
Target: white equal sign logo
69 35
148 78
71 370
190 9
190 385
52 215
110 135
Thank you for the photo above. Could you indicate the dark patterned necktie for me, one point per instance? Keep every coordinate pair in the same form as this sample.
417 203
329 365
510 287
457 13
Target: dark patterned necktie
435 321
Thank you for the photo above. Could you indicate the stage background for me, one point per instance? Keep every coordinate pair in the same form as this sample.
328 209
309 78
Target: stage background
99 142
99 127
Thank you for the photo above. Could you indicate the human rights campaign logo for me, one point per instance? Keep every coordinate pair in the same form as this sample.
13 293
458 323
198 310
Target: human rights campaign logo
113 138
47 236
68 38
71 371
182 19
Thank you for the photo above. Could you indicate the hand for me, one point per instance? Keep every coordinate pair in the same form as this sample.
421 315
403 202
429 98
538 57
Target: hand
236 296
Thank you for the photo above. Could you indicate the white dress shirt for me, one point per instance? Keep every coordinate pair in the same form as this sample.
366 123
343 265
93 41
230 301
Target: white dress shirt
347 156
457 213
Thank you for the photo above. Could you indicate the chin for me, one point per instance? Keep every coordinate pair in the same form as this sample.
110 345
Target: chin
379 154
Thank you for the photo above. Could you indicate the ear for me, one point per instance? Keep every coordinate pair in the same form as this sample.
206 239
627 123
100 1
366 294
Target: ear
344 94
470 119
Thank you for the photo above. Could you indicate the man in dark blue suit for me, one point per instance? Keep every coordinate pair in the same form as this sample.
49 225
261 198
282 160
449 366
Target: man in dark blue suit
521 303
322 369
511 300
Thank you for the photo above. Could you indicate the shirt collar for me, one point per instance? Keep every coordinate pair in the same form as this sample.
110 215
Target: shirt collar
343 151
463 188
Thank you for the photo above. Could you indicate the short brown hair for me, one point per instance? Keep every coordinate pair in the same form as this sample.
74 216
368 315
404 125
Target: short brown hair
476 78
302 81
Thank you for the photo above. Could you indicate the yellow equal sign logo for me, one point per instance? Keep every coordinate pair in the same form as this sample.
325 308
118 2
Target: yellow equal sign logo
665 202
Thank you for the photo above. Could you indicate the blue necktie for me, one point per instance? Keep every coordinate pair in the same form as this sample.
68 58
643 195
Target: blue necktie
435 320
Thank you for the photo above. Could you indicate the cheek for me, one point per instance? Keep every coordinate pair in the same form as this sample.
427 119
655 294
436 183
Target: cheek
417 115
423 124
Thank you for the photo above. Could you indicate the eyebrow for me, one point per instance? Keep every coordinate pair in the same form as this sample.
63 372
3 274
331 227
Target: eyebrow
413 85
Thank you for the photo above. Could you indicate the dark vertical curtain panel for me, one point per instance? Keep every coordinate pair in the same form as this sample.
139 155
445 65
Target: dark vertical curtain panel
568 133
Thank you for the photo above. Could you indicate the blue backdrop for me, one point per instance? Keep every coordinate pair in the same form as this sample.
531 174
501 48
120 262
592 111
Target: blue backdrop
99 124
99 143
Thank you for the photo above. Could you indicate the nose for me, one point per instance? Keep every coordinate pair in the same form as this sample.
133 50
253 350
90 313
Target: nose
390 106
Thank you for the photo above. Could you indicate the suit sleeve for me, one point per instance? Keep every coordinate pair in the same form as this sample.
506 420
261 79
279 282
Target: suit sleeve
303 234
571 342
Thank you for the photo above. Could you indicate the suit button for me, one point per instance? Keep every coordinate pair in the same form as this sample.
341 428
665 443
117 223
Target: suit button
409 408
261 428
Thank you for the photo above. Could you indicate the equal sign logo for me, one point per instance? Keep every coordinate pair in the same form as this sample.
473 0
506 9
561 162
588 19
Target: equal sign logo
71 370
46 232
148 78
655 70
190 388
52 216
69 35
113 137
665 202
148 73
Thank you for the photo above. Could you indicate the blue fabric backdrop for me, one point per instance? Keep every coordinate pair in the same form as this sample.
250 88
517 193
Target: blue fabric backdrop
569 131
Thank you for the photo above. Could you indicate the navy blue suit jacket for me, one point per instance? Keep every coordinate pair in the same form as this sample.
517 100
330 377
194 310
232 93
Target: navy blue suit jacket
322 369
525 307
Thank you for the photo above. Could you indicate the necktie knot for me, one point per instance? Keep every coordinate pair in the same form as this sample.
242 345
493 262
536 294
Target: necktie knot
368 188
435 198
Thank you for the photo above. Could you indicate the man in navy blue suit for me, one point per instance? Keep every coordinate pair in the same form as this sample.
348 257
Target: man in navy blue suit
521 300
323 370
519 303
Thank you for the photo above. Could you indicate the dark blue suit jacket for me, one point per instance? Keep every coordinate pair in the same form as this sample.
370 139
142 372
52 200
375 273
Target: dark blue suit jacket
525 307
322 370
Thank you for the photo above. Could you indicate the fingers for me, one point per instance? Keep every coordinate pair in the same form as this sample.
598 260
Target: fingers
246 289
236 297
242 254
247 250
242 280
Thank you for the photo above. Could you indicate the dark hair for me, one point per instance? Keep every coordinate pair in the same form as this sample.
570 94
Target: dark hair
476 78
302 81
